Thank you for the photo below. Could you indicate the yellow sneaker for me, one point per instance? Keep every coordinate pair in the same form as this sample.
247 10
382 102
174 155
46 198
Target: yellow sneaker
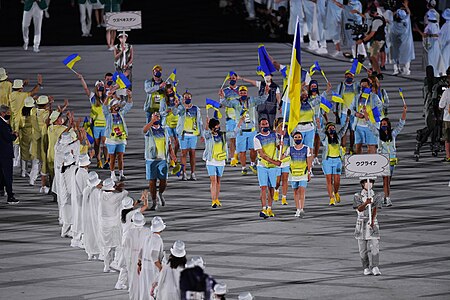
338 197
332 201
270 212
276 195
218 202
254 170
234 162
100 164
214 204
344 150
283 201
263 214
172 163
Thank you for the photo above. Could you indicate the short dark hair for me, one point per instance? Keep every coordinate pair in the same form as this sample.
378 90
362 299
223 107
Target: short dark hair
108 74
365 80
263 119
213 123
175 262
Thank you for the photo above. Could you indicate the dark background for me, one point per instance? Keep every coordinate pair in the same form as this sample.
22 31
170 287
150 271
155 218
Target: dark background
179 21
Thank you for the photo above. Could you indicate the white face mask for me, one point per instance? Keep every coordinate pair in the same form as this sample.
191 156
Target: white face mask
368 185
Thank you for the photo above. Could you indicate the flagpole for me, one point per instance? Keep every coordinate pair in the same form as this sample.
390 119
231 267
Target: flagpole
290 70
325 77
401 96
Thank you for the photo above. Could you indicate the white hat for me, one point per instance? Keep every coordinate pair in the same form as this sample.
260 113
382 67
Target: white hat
430 15
122 34
54 116
29 101
108 184
432 3
178 249
127 202
446 14
42 100
73 135
114 102
3 75
68 159
138 219
93 179
84 160
18 84
401 14
157 224
66 138
99 82
245 296
220 289
196 261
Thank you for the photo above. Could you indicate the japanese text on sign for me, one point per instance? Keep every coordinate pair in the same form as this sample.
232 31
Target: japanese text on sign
366 165
125 20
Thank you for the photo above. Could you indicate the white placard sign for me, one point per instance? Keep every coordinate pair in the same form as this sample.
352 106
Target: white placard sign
123 21
366 165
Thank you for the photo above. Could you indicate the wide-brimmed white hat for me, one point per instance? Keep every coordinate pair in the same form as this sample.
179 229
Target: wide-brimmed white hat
122 34
29 102
43 99
3 75
196 261
178 249
430 15
68 159
245 296
114 102
99 82
108 184
220 289
66 138
54 116
138 219
73 134
157 224
18 84
127 202
84 160
446 14
93 179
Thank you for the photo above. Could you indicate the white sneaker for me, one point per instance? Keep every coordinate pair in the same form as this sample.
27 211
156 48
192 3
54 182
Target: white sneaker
316 161
322 51
376 271
302 213
36 50
184 177
111 49
25 47
387 202
367 271
114 178
46 14
193 177
44 190
23 174
120 286
297 213
106 269
337 53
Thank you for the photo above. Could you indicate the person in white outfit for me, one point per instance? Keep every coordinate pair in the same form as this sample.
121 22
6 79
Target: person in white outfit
33 9
444 39
68 170
129 209
79 183
431 34
86 16
109 220
245 296
168 284
89 216
220 290
150 258
402 49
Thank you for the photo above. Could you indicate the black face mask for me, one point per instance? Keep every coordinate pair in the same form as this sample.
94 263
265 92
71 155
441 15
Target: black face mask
109 83
101 89
217 130
7 117
117 109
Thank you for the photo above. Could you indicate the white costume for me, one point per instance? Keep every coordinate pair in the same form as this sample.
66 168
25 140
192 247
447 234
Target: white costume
402 50
169 283
33 10
64 198
90 216
85 17
79 183
432 44
110 225
296 10
151 252
444 39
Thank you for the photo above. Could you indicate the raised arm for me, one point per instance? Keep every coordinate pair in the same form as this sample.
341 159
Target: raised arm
84 85
37 86
251 81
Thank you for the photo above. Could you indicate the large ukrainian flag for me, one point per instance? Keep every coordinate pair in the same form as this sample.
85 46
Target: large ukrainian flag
294 81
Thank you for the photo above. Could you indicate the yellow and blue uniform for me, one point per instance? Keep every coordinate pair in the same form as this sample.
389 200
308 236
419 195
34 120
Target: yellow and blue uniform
332 152
98 118
156 153
168 119
306 121
231 94
284 167
348 93
215 153
362 133
298 175
189 127
267 172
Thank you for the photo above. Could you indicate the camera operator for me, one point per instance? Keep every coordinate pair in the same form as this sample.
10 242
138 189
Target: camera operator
444 104
377 37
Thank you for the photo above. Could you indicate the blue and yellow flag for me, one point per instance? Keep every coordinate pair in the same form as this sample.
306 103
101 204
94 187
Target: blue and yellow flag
315 67
294 81
259 71
366 93
213 104
71 60
356 67
173 75
88 129
376 115
325 104
121 80
264 61
336 97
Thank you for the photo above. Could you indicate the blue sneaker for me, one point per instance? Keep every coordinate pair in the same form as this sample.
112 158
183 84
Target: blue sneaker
263 214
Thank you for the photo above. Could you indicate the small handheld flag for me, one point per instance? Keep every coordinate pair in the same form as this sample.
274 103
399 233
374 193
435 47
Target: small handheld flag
366 93
325 104
315 67
121 80
172 76
71 60
259 71
336 97
400 91
88 129
212 104
264 61
356 67
227 78
376 114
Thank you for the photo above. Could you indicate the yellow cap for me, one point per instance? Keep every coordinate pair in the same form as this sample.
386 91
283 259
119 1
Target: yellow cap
157 67
243 88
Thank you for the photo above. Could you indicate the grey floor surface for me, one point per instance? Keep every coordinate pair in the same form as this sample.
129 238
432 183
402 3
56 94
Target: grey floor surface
280 258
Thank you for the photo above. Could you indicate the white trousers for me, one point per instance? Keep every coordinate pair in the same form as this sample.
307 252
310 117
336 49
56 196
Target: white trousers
36 14
85 17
